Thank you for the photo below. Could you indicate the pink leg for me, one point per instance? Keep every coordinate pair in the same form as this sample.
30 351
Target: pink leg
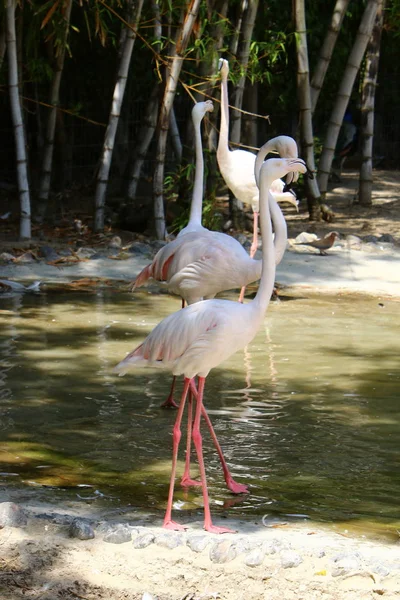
197 440
186 480
253 249
170 402
232 485
168 523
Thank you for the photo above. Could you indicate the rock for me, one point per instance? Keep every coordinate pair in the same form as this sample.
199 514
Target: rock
139 248
386 237
12 515
143 540
81 529
85 252
25 258
290 559
115 242
6 257
118 535
227 225
169 540
353 241
345 563
255 557
304 236
370 238
198 543
241 238
223 552
48 253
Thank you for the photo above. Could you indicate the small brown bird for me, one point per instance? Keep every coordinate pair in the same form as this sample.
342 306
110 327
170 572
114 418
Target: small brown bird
322 244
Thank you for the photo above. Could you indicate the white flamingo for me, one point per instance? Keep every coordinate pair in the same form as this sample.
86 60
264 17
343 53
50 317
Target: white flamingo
237 166
199 337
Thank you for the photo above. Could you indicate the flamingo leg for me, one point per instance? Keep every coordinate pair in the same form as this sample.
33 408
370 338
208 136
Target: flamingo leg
170 402
176 436
253 249
232 485
198 443
186 480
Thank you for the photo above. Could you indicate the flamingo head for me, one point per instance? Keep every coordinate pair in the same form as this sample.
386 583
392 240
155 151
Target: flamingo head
223 68
279 167
200 109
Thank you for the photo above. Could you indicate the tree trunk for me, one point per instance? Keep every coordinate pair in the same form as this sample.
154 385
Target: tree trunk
19 130
2 43
146 133
118 96
175 136
367 107
243 59
47 164
345 89
174 69
305 114
328 46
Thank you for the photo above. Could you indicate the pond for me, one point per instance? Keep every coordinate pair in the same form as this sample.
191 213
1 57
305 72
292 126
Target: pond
308 414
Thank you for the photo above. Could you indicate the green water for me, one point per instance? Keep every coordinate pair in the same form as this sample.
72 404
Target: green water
308 414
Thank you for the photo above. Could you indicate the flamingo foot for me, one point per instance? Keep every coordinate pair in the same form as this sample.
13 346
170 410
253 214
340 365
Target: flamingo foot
237 488
187 481
173 526
214 529
169 403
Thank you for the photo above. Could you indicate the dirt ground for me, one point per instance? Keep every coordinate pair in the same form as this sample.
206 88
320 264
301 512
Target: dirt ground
41 561
349 217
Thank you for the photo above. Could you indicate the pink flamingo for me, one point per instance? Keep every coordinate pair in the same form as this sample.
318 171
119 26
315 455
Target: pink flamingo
237 166
199 337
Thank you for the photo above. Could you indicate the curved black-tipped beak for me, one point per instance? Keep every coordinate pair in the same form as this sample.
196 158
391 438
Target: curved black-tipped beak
288 188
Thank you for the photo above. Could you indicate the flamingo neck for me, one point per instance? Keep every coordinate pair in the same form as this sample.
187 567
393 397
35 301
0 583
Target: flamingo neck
280 228
267 280
223 141
197 196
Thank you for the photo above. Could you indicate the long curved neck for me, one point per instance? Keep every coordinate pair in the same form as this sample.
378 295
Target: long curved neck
267 280
197 196
223 141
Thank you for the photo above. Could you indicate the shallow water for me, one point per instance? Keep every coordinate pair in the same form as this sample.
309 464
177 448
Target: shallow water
308 414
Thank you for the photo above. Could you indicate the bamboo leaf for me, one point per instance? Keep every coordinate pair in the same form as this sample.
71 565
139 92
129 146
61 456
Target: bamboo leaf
50 14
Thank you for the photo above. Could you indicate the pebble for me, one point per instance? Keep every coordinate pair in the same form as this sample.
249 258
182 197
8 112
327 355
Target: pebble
143 540
290 559
223 552
118 535
139 248
198 543
85 252
345 563
169 540
48 253
12 515
255 557
81 529
6 257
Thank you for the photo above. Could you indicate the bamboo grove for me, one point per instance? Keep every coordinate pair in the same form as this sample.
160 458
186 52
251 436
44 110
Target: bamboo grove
96 96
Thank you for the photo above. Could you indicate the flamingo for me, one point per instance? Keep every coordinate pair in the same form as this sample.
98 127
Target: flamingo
200 336
237 166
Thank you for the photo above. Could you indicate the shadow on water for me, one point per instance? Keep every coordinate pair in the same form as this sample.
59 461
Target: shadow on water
308 414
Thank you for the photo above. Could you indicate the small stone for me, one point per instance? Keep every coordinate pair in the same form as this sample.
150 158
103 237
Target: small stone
118 535
223 552
115 242
143 540
85 252
381 569
6 257
241 238
12 515
353 241
198 543
345 563
81 529
370 239
169 540
290 559
157 244
255 557
139 248
386 237
48 253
